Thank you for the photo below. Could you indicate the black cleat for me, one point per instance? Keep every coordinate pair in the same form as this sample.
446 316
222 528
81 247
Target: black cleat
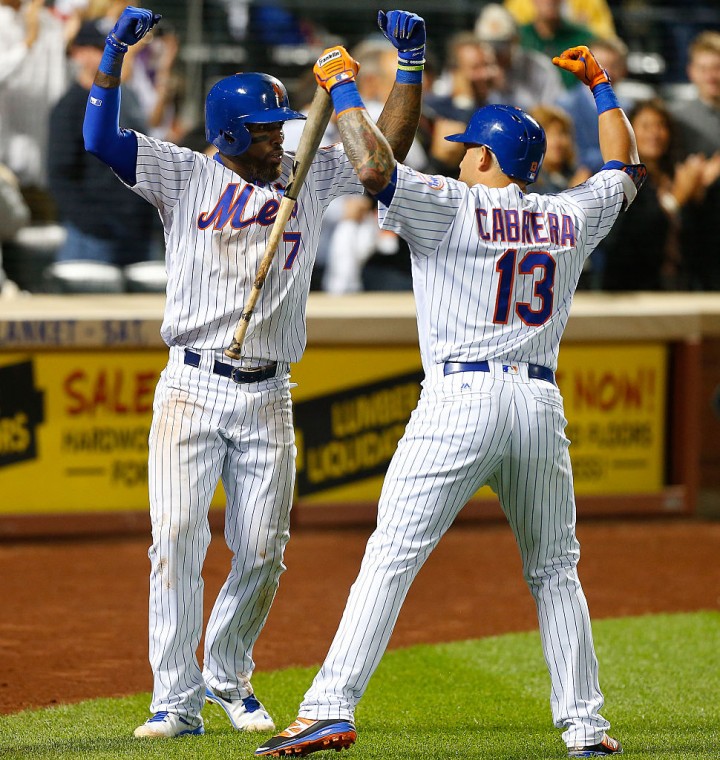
608 746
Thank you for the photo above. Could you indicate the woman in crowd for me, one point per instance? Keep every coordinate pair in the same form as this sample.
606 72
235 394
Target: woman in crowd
643 250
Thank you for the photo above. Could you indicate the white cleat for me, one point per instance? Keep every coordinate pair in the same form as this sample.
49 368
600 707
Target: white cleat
246 714
167 725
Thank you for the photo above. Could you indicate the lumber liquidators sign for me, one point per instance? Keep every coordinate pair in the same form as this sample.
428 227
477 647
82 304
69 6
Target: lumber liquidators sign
352 434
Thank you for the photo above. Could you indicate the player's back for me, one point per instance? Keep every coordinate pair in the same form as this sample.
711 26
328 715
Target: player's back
500 283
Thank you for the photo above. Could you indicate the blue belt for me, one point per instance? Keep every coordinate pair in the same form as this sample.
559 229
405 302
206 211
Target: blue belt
237 374
534 370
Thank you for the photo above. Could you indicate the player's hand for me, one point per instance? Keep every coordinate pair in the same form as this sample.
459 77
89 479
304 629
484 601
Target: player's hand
335 66
134 24
405 30
582 63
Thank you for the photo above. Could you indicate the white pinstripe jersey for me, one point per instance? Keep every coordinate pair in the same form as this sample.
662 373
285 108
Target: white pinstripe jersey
495 269
216 228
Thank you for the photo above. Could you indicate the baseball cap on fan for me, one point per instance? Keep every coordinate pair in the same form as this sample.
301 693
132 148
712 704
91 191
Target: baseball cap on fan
496 25
91 34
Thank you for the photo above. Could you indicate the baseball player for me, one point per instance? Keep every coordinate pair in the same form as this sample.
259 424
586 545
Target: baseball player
494 272
215 419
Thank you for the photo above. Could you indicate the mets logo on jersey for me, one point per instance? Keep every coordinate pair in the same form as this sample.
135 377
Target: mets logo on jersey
434 182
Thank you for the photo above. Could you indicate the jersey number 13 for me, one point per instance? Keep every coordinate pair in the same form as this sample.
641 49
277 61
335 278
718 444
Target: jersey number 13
533 263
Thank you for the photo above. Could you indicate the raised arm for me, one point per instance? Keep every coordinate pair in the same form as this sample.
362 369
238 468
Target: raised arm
617 139
366 147
401 114
101 128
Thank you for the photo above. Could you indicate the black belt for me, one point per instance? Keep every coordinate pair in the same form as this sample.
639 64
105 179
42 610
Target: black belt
534 370
237 374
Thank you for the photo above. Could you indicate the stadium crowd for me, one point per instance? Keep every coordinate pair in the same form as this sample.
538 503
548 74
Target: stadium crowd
59 204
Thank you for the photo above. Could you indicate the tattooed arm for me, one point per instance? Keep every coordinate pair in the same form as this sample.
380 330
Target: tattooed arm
368 150
400 117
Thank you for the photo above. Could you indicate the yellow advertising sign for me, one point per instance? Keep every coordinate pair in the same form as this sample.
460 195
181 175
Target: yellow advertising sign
615 398
351 407
74 424
87 443
74 430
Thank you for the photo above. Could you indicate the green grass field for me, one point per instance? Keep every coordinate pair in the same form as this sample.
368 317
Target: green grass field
474 699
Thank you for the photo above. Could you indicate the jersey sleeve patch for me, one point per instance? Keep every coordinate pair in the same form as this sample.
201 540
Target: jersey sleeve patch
433 181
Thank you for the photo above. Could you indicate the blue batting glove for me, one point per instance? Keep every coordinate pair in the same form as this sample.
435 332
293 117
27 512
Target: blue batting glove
405 30
132 26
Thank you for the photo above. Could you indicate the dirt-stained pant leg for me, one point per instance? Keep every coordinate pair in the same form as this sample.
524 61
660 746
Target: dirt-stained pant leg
258 478
185 462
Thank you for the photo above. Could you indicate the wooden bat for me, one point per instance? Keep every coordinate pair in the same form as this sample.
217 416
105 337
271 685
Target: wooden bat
318 117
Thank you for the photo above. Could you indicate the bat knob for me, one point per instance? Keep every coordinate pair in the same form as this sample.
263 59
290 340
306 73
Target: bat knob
233 350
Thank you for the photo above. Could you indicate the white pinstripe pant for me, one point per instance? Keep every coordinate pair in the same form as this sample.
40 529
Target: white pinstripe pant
470 429
206 428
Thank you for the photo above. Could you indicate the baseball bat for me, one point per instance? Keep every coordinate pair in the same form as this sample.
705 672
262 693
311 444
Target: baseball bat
318 117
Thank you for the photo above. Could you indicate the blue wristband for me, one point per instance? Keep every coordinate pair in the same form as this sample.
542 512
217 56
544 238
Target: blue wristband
410 65
409 77
605 98
112 61
345 97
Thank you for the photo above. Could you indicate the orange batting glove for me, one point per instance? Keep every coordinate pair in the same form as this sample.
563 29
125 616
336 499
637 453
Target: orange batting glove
583 64
335 66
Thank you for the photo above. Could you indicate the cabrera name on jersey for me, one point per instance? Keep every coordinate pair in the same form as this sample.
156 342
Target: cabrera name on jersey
522 252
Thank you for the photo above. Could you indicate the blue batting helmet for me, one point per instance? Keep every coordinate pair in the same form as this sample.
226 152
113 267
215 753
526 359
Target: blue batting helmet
242 99
515 138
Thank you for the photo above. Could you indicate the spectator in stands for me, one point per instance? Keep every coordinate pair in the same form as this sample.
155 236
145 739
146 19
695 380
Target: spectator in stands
699 120
550 33
527 78
104 220
14 215
578 101
699 117
359 255
643 250
596 15
560 169
32 78
469 81
152 74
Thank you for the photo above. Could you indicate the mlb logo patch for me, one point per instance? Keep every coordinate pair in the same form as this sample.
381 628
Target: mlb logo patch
511 369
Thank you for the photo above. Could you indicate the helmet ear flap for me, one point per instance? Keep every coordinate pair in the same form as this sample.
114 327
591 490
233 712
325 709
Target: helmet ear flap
233 144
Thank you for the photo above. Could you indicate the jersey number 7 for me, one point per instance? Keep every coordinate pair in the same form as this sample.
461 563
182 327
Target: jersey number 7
508 266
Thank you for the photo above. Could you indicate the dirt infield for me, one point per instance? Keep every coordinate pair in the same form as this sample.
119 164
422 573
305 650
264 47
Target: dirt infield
74 613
